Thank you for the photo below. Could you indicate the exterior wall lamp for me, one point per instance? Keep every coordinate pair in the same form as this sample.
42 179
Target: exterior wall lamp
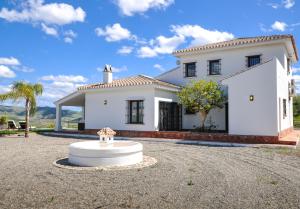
251 98
105 102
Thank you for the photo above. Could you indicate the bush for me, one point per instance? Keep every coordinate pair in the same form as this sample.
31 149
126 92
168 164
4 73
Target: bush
3 120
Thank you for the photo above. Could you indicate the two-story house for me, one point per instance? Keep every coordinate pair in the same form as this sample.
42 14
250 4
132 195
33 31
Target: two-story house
255 74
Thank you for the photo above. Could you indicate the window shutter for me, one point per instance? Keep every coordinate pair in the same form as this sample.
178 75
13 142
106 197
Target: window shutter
142 111
208 67
127 117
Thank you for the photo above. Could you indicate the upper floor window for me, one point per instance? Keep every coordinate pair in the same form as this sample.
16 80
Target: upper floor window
214 67
190 69
135 113
253 60
288 65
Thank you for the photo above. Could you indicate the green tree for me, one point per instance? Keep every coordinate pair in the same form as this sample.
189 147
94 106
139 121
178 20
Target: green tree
24 91
296 105
202 96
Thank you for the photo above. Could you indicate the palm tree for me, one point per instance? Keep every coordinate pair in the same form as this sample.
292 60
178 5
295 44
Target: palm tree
28 92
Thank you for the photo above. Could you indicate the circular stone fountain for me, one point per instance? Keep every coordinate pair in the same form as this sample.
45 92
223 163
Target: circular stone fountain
106 152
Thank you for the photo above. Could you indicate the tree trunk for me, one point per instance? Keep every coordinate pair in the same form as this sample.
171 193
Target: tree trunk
203 116
27 109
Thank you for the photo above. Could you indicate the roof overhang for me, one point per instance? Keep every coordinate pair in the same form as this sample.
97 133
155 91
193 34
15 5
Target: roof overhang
76 98
288 41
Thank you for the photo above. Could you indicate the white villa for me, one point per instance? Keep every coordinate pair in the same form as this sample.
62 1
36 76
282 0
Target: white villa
255 73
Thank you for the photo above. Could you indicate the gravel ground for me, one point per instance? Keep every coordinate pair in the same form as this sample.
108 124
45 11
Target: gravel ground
186 176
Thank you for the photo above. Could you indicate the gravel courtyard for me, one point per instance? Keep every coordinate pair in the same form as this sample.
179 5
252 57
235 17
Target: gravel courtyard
186 176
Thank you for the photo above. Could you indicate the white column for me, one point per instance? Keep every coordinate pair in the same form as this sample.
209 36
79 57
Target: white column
58 118
83 113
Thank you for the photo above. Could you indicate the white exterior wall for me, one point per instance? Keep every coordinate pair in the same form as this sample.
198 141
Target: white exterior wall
232 61
216 117
258 117
283 93
113 115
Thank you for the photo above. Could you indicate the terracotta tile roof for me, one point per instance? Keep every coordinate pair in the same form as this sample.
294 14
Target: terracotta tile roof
237 42
139 80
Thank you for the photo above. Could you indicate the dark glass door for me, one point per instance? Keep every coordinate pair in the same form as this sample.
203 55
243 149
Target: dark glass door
169 116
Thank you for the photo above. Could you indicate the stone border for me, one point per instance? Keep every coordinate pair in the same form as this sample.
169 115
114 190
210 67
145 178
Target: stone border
63 163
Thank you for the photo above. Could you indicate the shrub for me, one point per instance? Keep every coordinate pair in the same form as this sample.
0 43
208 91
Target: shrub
3 120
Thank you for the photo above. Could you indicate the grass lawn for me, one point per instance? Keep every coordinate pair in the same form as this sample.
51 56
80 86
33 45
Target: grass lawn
11 132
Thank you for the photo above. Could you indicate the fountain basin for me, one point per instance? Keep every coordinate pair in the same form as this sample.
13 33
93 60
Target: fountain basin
95 153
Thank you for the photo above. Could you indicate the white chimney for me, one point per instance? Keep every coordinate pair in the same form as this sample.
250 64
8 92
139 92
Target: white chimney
107 74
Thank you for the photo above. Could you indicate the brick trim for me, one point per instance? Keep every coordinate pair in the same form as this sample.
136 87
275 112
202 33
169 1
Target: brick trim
188 135
285 132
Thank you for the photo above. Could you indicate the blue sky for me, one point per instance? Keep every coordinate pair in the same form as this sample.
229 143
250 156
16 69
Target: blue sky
63 44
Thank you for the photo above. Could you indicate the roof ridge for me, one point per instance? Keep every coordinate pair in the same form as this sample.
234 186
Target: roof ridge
128 81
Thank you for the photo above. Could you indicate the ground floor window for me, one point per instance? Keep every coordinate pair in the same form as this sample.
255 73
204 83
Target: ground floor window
135 112
284 107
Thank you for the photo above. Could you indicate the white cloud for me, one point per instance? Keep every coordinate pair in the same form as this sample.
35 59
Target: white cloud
5 88
296 70
68 40
159 67
197 34
119 69
5 72
70 33
49 30
161 45
9 61
274 5
130 7
280 26
33 11
288 3
64 78
201 35
146 52
125 50
56 87
114 33
23 69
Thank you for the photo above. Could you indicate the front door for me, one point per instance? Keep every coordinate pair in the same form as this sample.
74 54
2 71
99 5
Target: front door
169 116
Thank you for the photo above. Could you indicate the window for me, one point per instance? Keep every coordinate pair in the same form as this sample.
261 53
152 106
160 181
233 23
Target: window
288 65
135 112
214 67
190 112
190 69
253 60
284 107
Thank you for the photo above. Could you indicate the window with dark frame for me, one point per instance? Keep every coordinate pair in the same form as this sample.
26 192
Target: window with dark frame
253 60
214 67
284 107
288 65
135 112
190 69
